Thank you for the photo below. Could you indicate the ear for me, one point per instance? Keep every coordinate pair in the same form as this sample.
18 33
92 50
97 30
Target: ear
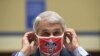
31 37
65 35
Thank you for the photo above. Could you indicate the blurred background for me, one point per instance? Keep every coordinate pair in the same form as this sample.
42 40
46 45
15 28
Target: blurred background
16 17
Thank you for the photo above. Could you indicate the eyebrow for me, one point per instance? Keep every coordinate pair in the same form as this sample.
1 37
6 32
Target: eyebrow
45 30
57 29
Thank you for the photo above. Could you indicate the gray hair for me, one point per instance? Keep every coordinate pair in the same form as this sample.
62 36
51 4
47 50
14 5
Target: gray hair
49 16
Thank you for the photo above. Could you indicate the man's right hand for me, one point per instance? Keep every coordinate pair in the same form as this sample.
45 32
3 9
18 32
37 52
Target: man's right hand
27 48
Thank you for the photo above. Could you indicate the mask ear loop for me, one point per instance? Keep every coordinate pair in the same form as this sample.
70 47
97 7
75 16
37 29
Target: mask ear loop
37 35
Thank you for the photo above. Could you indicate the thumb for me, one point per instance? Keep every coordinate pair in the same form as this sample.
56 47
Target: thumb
34 47
65 40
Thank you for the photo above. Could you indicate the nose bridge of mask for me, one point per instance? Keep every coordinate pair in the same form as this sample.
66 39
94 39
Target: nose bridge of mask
50 36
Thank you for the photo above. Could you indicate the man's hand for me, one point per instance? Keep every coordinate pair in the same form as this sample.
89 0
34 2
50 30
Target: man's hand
27 48
73 43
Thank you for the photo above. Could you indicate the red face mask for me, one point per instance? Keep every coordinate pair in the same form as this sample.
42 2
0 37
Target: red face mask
50 45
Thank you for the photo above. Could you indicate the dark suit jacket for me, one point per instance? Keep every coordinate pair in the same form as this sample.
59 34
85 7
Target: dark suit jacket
63 52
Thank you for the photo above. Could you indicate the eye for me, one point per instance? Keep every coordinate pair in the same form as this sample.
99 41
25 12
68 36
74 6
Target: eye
57 33
45 34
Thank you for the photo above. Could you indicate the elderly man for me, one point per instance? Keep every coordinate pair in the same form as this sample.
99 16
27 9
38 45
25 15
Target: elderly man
51 38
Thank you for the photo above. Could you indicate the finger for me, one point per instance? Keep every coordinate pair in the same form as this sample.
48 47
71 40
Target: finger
68 35
36 43
31 37
34 47
66 40
71 34
25 38
26 35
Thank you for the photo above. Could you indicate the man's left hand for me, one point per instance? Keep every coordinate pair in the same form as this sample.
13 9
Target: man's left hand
73 43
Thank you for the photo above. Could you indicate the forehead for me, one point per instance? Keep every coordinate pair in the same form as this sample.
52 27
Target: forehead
44 25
